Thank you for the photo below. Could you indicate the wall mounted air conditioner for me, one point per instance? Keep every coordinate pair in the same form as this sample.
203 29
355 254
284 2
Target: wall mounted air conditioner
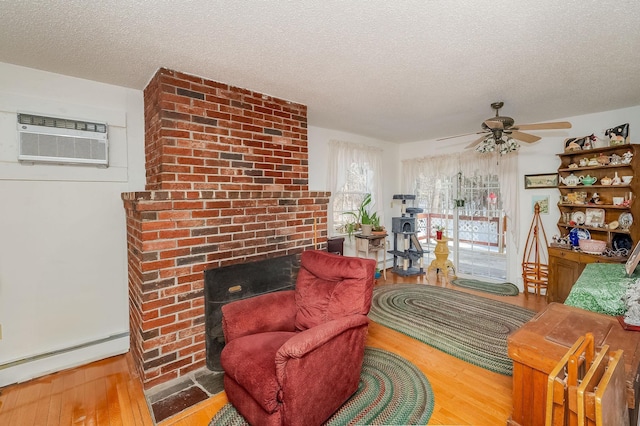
62 141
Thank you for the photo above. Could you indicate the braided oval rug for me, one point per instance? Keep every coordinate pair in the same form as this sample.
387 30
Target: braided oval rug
501 289
392 391
468 327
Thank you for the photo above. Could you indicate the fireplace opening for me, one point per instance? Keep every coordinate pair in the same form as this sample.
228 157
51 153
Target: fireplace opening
241 281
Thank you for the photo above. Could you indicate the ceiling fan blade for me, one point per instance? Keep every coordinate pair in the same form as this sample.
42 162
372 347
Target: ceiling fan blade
476 142
524 137
494 124
458 136
544 126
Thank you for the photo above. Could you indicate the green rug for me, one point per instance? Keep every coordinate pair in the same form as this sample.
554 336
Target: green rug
392 391
501 289
469 327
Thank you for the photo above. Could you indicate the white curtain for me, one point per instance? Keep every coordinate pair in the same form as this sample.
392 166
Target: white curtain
508 177
341 156
470 163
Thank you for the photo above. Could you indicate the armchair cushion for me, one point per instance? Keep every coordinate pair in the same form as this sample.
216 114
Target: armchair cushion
330 286
266 312
249 362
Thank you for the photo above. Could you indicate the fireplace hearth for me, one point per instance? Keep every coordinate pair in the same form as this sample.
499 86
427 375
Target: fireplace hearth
237 282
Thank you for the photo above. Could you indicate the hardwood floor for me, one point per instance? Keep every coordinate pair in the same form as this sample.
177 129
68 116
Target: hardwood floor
108 392
105 392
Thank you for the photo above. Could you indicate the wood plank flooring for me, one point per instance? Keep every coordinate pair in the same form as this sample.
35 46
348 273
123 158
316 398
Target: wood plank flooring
108 392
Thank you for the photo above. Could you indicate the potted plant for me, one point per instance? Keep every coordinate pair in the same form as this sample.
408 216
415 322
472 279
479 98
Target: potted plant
377 228
363 218
439 230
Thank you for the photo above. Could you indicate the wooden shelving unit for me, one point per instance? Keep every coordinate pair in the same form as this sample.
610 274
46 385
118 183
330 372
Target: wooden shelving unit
566 264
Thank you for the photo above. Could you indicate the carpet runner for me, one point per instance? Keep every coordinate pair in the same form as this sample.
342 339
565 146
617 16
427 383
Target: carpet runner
501 289
471 328
392 391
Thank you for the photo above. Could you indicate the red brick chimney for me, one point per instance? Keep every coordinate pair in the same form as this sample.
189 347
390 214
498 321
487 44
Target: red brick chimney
227 182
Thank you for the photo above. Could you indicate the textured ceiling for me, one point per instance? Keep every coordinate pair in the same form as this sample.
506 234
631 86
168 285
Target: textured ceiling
399 71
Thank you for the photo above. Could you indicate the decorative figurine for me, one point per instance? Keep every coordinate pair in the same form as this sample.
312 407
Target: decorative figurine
616 180
618 135
603 159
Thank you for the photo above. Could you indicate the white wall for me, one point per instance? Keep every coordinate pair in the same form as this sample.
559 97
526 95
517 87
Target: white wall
319 157
63 261
536 158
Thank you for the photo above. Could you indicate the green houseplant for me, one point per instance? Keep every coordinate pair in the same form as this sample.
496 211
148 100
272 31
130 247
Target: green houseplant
363 218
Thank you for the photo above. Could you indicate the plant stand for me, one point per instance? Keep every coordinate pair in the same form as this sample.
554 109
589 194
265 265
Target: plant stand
372 244
535 273
442 262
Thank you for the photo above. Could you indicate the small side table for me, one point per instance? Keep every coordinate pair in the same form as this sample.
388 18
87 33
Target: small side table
442 262
372 244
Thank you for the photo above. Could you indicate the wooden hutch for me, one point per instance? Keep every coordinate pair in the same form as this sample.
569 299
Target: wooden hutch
566 264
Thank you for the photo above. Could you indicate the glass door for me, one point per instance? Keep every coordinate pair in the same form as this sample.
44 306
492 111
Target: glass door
470 211
481 228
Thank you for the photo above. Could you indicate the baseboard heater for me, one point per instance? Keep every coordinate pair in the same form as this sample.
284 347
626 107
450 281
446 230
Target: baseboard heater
63 351
39 365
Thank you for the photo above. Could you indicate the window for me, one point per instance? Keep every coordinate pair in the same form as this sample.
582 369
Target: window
354 171
348 198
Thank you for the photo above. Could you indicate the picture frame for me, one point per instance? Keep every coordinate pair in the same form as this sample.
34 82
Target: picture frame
632 261
544 180
542 201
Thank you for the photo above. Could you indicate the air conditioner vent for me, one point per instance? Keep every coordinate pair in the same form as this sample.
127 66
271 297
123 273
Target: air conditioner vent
63 123
62 140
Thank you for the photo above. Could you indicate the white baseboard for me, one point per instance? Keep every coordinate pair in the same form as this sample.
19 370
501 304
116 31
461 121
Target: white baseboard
40 365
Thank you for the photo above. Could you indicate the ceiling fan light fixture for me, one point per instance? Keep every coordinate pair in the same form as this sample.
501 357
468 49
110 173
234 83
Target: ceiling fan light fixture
503 145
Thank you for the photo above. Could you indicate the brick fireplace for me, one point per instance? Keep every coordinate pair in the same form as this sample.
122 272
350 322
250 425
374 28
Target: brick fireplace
226 183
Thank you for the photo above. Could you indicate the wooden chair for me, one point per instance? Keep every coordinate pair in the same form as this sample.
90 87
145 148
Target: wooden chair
584 392
587 388
580 362
602 394
557 407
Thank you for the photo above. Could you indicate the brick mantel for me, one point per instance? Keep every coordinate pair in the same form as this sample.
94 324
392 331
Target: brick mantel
227 182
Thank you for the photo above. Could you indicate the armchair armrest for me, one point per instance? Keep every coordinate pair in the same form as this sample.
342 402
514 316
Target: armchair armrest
308 340
268 312
328 356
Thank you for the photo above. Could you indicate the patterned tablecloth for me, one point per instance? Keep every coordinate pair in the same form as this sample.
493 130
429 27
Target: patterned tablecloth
601 287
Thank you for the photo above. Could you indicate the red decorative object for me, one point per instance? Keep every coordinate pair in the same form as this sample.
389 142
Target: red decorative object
438 235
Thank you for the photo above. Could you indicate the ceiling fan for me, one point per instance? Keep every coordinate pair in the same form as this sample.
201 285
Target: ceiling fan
500 130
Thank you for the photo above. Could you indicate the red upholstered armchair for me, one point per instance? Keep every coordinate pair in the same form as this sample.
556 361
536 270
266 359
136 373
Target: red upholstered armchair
294 357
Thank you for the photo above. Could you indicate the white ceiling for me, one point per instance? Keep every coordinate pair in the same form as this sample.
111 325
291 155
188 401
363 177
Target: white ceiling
396 70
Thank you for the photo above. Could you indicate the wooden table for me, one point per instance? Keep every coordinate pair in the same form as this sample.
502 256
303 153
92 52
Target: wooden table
539 344
373 243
